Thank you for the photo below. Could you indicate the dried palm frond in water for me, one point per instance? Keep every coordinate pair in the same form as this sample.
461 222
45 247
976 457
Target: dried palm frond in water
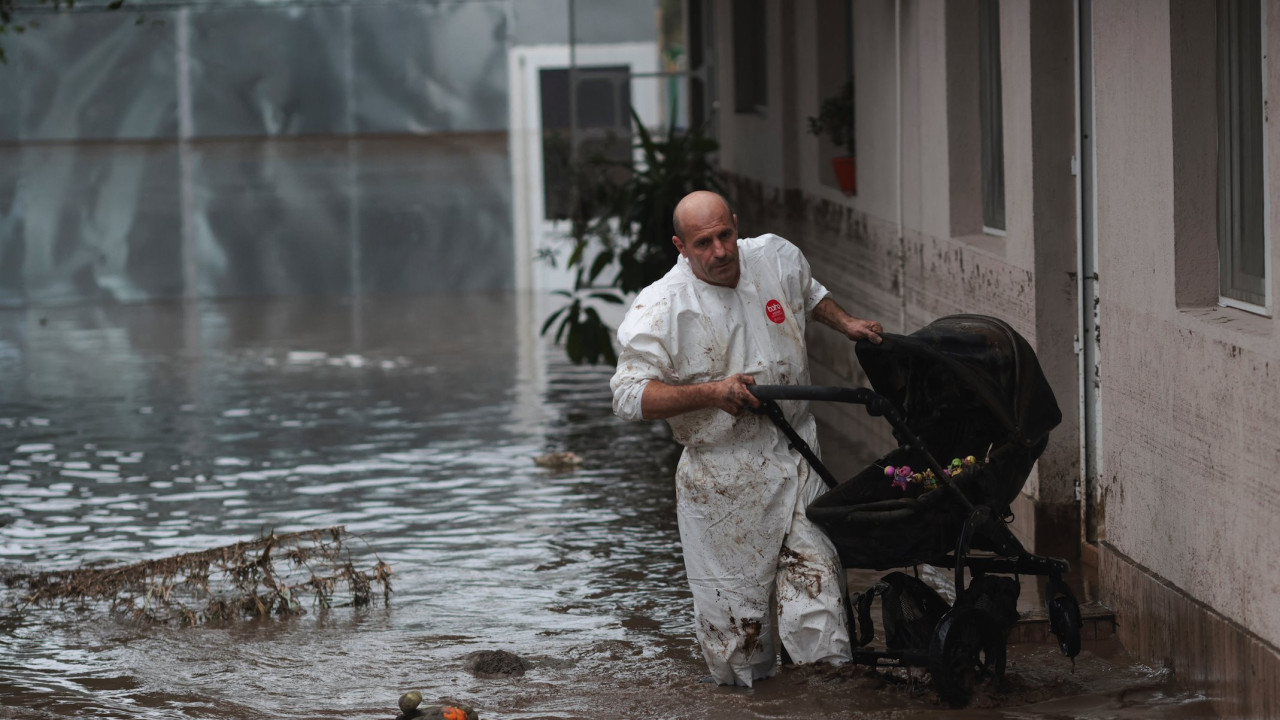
270 575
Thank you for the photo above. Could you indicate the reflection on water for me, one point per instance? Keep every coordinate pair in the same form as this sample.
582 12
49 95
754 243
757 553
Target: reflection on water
136 432
142 431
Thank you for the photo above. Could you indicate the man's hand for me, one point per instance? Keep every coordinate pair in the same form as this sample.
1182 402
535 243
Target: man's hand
859 329
661 401
732 394
829 313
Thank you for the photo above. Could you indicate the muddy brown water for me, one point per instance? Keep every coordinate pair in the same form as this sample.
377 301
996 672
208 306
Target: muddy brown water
141 431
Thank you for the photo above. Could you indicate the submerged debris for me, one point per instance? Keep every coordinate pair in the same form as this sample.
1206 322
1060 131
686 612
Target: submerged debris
411 709
410 701
493 663
558 460
270 575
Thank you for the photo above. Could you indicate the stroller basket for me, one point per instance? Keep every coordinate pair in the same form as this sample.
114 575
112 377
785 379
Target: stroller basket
877 526
963 385
966 387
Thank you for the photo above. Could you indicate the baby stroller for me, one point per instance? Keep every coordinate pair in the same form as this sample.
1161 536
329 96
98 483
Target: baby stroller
966 387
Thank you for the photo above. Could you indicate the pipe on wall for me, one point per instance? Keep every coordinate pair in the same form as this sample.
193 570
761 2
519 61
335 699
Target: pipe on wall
902 243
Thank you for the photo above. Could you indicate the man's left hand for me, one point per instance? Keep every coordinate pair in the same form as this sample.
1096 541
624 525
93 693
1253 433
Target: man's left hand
859 329
829 313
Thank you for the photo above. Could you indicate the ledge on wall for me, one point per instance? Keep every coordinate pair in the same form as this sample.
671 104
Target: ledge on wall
1165 627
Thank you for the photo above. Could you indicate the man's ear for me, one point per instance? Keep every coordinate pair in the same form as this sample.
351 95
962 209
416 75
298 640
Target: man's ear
675 240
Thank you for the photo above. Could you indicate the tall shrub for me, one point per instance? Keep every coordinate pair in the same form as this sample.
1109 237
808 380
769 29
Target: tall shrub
623 221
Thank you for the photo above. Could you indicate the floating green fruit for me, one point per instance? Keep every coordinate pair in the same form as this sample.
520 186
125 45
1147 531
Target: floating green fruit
410 701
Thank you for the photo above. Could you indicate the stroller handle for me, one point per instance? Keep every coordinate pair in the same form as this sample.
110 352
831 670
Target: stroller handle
856 396
876 404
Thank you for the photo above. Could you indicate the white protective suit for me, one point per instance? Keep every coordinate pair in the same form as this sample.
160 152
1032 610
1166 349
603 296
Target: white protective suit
740 492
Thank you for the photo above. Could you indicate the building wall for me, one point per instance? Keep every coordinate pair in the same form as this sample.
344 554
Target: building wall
941 262
1189 401
754 144
546 22
1189 536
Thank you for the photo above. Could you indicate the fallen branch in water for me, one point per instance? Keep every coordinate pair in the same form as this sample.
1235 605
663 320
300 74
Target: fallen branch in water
270 575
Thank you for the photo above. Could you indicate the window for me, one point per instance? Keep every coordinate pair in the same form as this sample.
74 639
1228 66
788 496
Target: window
603 128
991 106
1242 231
838 99
750 55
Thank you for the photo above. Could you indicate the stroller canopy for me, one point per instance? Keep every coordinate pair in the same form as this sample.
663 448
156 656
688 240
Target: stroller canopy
964 379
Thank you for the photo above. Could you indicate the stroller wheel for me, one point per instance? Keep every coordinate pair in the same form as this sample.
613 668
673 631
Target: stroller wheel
1064 617
967 650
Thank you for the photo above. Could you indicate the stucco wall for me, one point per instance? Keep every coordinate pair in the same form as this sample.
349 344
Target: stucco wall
938 273
853 242
1189 440
752 141
1189 401
546 22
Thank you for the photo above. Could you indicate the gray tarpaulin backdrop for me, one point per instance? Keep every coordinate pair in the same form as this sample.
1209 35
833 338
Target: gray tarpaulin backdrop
256 150
265 148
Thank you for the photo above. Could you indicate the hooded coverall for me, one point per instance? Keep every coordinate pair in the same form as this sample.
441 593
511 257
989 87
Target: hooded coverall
741 493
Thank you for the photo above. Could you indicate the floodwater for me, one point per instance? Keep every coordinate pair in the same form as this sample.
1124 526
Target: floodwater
136 432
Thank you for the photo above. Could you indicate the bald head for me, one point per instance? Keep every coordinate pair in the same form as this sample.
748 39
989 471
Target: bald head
707 236
699 204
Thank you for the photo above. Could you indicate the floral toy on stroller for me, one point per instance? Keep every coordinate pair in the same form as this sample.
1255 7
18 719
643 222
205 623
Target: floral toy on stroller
966 387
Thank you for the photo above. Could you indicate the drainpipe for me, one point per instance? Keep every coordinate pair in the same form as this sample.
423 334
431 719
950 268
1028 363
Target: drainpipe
902 243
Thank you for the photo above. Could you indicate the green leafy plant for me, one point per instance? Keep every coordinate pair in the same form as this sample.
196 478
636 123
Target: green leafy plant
623 221
836 118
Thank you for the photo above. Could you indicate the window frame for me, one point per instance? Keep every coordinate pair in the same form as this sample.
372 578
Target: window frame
750 24
1228 172
991 127
827 56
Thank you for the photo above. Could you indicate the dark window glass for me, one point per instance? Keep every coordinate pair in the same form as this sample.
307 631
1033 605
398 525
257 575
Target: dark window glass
991 109
1241 216
604 126
750 76
836 91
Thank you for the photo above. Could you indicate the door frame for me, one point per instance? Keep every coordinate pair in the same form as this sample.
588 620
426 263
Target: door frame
531 229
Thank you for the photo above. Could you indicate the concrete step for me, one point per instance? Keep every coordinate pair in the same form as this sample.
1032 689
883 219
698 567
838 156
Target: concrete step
1098 622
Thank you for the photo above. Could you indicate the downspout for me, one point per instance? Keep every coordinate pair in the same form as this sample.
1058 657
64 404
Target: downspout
902 243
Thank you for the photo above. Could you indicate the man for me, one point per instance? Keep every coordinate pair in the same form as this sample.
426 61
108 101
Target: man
731 314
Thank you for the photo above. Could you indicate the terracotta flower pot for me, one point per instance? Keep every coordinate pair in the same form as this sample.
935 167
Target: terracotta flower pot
846 169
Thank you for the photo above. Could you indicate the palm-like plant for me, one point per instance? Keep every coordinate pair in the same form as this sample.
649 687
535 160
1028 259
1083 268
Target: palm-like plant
626 218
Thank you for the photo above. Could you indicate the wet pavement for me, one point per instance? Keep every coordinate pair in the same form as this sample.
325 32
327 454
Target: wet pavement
135 432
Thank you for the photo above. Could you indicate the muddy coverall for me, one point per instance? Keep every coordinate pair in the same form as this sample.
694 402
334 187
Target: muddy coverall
740 492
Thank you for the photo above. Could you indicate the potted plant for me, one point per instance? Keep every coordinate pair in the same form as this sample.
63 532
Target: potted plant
836 120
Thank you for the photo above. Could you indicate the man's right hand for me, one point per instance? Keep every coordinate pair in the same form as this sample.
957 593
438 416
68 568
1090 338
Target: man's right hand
732 394
661 401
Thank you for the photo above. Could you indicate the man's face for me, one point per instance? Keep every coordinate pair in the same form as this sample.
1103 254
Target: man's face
711 245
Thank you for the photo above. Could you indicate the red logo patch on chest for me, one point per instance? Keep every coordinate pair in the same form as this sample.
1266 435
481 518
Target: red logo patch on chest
773 309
